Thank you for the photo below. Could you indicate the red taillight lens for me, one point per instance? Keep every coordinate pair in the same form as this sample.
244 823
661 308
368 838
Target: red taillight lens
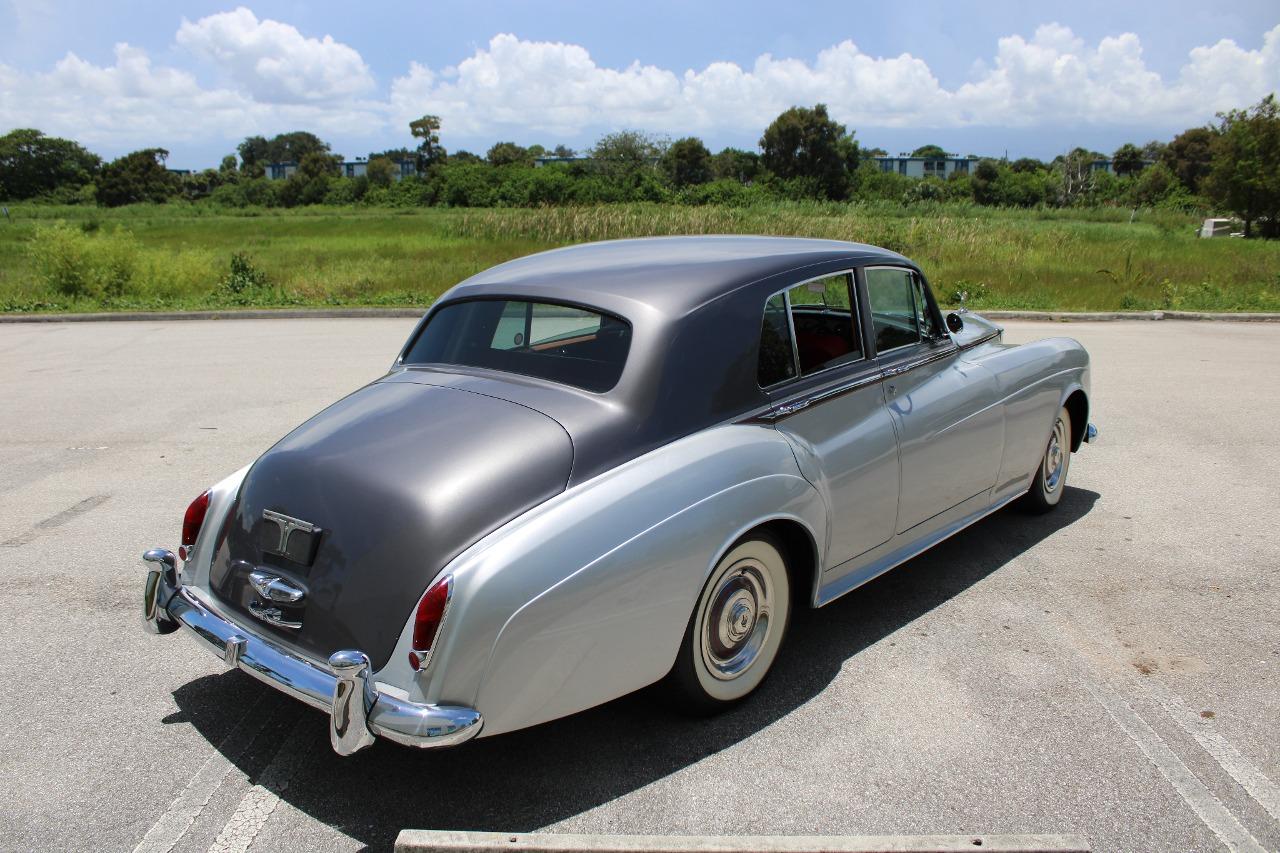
426 622
191 524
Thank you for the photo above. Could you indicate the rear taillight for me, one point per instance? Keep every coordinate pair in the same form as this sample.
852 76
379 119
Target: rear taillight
191 524
427 619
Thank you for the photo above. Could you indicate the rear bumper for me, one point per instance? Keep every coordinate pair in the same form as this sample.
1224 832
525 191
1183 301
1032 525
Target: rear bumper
358 712
1090 434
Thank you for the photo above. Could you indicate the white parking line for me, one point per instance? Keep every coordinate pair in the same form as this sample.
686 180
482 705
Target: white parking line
1255 783
261 800
1194 793
166 832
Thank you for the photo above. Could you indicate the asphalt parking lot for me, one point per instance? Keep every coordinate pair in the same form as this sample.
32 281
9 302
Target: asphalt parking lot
1111 670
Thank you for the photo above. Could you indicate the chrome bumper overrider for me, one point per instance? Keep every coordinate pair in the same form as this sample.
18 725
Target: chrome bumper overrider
358 712
1090 434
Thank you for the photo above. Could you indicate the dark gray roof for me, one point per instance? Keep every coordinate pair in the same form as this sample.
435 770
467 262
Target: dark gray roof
671 275
695 305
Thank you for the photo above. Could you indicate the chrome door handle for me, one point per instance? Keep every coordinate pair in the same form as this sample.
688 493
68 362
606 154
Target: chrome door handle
891 388
792 408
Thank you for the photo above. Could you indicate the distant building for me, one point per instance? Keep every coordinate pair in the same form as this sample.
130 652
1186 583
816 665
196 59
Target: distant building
347 169
281 171
1109 166
542 161
182 173
926 167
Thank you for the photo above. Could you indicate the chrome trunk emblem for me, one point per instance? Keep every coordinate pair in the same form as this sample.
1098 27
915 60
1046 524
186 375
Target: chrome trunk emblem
293 539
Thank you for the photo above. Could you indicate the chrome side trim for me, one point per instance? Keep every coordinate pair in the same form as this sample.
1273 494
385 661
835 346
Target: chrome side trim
989 336
343 689
853 580
786 410
898 370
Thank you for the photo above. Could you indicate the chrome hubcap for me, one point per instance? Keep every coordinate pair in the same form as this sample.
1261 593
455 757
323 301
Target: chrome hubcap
1055 457
735 624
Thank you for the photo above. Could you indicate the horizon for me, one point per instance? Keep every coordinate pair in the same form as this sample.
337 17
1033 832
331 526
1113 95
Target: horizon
1003 80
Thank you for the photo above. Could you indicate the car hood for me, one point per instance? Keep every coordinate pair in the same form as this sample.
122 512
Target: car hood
399 478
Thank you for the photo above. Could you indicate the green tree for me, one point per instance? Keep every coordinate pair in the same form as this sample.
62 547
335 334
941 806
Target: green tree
627 152
1246 165
806 145
139 176
563 151
32 164
1127 160
464 156
1153 185
687 162
381 172
984 182
1189 155
427 129
255 153
1026 164
1154 150
736 164
932 152
506 153
228 166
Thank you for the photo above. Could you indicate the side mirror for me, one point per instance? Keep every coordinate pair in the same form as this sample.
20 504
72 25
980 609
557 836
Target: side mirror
955 323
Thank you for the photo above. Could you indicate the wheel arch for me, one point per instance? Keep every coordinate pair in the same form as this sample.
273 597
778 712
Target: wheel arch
800 554
1076 402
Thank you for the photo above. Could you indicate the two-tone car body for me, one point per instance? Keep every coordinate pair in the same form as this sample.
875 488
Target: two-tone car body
605 465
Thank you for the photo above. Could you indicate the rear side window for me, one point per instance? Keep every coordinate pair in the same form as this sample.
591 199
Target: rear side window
563 343
808 328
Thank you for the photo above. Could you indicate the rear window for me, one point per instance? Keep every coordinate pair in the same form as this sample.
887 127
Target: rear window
562 343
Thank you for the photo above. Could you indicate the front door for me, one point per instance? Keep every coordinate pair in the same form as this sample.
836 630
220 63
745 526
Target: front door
946 411
815 368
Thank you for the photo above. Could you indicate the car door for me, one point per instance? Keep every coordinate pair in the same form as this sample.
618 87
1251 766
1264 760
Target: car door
946 412
827 400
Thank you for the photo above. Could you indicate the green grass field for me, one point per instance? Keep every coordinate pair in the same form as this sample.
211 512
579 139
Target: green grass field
179 256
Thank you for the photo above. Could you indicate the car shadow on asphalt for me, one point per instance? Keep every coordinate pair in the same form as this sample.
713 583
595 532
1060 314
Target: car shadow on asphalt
529 779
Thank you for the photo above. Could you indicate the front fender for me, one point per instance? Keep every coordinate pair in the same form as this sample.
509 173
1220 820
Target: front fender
586 598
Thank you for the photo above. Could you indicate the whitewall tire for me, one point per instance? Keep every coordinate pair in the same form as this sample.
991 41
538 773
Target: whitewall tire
1051 475
736 628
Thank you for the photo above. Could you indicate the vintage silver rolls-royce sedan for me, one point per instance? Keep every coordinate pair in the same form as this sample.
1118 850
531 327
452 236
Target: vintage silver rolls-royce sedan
603 466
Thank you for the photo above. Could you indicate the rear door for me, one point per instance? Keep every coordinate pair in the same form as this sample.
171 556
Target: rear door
949 424
826 390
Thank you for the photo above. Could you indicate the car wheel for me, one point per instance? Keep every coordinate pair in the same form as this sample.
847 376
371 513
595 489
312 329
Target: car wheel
1051 476
736 628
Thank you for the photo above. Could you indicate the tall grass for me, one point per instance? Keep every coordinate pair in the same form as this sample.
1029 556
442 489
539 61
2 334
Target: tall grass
181 255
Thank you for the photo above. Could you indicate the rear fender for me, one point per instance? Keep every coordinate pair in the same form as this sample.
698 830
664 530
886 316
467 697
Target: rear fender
586 598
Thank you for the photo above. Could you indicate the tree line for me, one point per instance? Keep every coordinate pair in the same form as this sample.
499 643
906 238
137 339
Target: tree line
1231 165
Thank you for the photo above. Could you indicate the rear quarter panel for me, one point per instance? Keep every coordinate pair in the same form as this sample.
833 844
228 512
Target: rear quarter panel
587 597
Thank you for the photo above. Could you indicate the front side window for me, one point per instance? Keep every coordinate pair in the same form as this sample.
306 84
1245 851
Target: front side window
891 292
562 343
825 329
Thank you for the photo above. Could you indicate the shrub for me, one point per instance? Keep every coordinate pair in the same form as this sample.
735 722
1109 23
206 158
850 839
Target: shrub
244 277
96 263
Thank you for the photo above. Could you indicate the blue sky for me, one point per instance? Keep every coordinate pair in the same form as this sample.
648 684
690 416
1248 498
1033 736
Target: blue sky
1029 78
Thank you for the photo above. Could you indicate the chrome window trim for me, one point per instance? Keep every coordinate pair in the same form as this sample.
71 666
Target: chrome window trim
915 275
854 313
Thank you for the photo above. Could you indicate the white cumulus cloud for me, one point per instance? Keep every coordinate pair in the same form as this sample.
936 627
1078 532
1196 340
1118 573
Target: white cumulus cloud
234 74
273 62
